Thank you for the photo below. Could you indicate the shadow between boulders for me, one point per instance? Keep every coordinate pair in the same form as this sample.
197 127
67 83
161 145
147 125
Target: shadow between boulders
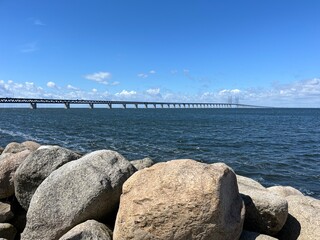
291 229
250 220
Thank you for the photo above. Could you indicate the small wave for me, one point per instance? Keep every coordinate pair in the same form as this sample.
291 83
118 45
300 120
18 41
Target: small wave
25 136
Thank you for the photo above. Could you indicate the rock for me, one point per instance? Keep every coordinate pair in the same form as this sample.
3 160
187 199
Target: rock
8 165
32 146
246 235
88 188
7 231
180 199
142 163
303 222
5 212
284 191
245 181
1 150
90 229
265 212
14 147
37 167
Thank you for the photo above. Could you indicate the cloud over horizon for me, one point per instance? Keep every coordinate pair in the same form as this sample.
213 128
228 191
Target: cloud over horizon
304 93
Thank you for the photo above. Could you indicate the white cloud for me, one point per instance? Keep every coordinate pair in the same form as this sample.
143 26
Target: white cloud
115 83
152 71
100 77
70 87
142 75
153 91
304 93
125 93
51 85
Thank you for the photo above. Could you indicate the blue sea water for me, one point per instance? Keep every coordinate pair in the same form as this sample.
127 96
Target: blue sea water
273 146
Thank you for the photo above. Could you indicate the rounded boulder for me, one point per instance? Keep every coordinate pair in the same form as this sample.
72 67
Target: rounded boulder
37 167
180 199
88 188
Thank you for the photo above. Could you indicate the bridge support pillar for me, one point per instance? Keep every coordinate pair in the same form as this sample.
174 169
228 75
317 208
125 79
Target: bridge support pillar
91 105
110 105
168 105
33 105
155 105
67 105
124 106
136 105
161 105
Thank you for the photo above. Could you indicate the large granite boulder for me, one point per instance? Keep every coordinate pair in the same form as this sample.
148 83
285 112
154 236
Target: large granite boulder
37 167
304 219
8 165
5 212
87 188
284 191
180 199
265 212
142 163
90 229
7 231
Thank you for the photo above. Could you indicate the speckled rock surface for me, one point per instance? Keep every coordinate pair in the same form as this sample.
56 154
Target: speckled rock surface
180 199
88 188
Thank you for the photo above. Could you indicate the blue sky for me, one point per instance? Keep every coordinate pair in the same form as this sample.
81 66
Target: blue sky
264 52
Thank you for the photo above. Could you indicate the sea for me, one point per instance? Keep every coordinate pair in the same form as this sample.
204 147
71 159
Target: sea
274 146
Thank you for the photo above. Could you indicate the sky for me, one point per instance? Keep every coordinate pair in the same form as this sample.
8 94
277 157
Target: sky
260 52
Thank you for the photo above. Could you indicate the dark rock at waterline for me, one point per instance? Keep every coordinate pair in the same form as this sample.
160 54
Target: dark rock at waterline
37 167
88 188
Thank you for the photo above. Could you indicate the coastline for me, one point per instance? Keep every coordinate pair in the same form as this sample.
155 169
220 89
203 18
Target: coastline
273 213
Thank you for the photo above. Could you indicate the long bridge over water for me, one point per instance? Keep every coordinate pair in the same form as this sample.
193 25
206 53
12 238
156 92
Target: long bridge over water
110 104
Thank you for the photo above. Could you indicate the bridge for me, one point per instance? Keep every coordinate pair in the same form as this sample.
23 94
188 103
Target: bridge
110 104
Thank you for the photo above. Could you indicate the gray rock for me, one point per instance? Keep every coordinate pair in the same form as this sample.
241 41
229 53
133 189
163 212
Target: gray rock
37 167
303 222
249 182
8 165
284 191
5 212
180 199
142 163
1 150
88 188
15 147
7 231
246 235
265 212
90 229
30 145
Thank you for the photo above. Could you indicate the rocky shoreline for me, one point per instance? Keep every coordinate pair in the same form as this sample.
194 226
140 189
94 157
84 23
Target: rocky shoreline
50 192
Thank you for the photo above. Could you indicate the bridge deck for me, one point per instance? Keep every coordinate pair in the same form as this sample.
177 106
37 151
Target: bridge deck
33 102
